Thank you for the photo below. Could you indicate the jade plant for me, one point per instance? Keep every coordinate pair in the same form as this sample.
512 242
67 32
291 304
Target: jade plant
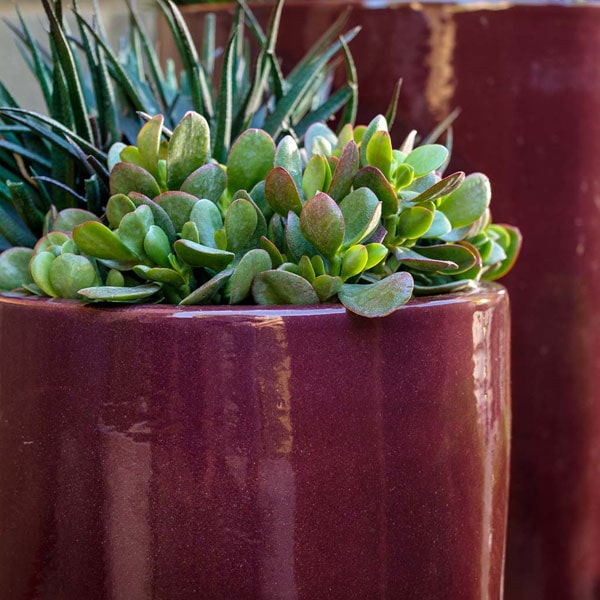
96 96
341 217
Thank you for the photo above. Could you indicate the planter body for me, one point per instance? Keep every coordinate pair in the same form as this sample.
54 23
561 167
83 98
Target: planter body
154 452
527 79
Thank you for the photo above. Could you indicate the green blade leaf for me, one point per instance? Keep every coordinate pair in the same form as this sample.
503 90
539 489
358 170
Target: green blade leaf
222 139
201 98
68 67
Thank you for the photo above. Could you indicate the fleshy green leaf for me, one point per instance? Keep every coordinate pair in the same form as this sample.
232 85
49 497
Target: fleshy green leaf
287 155
157 246
159 275
189 149
250 160
207 291
282 287
208 220
441 188
117 207
327 286
469 202
297 245
379 152
511 248
354 261
189 231
322 224
425 159
198 255
315 176
414 222
148 142
69 218
68 273
133 229
272 250
419 262
377 124
178 206
362 212
378 299
161 218
373 179
343 177
252 263
209 181
439 228
458 254
126 177
97 240
306 269
40 272
319 139
376 253
281 192
14 268
109 293
240 224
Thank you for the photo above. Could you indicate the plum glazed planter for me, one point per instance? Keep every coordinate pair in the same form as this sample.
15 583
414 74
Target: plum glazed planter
264 453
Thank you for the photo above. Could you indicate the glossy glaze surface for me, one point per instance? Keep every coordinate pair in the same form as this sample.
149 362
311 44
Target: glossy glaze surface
527 79
253 454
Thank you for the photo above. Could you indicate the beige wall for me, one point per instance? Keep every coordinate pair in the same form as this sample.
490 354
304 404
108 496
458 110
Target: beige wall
13 70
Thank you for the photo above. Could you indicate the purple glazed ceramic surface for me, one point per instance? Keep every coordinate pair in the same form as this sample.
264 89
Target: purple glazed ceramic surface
279 453
527 79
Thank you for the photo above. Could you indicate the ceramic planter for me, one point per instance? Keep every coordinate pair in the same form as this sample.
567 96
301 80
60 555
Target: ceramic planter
527 79
251 453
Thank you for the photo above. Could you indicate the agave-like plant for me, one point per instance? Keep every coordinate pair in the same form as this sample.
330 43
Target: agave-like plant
346 217
96 96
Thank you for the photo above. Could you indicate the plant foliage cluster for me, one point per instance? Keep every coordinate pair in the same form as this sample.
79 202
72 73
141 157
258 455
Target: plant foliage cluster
182 215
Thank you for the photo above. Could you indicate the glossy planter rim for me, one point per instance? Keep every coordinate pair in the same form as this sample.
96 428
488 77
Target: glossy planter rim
481 294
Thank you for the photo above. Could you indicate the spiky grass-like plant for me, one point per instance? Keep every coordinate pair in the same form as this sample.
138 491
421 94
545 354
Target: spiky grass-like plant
96 96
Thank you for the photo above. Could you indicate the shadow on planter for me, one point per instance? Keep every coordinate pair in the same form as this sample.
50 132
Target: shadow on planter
156 452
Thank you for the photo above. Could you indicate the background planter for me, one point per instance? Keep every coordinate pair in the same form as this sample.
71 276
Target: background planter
253 453
527 79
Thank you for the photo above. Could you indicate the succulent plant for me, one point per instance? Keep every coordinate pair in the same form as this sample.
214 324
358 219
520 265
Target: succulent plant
343 217
95 96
